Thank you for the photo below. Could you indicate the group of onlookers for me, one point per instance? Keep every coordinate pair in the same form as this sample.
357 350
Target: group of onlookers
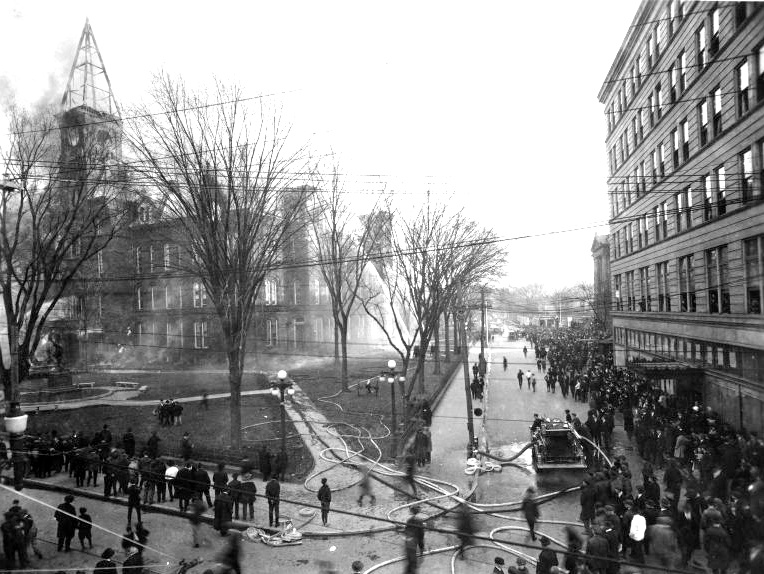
700 486
169 412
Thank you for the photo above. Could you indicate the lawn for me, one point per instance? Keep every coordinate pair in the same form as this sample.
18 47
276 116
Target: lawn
209 428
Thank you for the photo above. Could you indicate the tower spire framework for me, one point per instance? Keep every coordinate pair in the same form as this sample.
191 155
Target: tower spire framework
89 83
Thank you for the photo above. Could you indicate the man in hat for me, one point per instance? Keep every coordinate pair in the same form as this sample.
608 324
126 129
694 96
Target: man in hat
66 516
498 565
106 565
520 568
546 559
325 498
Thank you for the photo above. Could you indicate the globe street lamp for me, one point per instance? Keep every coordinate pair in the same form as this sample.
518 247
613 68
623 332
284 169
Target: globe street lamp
278 389
16 424
392 376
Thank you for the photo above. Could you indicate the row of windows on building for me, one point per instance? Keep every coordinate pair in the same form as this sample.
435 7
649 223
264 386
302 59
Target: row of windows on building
746 362
707 43
171 296
171 333
649 288
709 196
152 334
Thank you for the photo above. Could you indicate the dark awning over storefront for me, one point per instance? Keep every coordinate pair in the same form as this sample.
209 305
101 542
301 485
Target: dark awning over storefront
674 370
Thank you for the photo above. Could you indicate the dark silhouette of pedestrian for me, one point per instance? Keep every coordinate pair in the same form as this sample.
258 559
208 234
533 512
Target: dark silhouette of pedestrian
106 565
205 401
141 536
264 460
414 535
365 490
525 352
325 497
66 516
466 529
219 479
547 558
85 528
133 501
128 442
273 493
530 510
223 512
247 496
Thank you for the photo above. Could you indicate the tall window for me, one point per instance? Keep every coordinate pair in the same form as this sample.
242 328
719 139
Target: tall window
634 130
641 231
760 73
651 109
645 227
682 71
641 183
151 258
297 294
721 190
746 165
139 299
99 263
618 293
664 218
683 206
138 256
657 228
717 277
638 68
674 81
703 122
201 338
662 279
686 285
662 164
631 294
753 252
654 166
708 198
645 300
743 103
715 28
640 128
649 46
200 295
272 332
675 147
658 100
630 237
618 243
166 255
685 128
716 98
700 47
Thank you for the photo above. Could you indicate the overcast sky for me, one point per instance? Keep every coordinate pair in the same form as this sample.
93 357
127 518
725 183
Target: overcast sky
489 105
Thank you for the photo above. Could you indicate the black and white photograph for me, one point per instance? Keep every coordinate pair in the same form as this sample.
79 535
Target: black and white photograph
393 288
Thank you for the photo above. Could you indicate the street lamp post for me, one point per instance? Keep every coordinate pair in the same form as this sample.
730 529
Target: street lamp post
15 419
278 389
16 424
392 376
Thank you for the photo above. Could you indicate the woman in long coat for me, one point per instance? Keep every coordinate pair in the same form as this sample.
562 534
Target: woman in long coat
223 512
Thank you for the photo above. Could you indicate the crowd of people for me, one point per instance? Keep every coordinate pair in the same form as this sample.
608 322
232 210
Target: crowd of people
169 412
700 485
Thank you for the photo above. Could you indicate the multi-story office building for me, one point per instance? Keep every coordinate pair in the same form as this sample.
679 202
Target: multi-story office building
684 103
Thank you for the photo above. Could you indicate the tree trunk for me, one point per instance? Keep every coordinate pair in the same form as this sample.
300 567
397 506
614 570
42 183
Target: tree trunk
344 366
437 348
457 335
336 343
234 381
448 336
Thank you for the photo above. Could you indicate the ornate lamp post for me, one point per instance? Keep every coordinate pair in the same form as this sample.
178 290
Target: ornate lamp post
284 385
16 424
392 376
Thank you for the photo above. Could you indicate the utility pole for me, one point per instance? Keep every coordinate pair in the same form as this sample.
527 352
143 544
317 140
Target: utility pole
461 314
482 321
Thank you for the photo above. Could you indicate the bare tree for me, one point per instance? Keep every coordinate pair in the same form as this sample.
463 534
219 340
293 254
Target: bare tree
342 243
58 212
227 177
433 254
